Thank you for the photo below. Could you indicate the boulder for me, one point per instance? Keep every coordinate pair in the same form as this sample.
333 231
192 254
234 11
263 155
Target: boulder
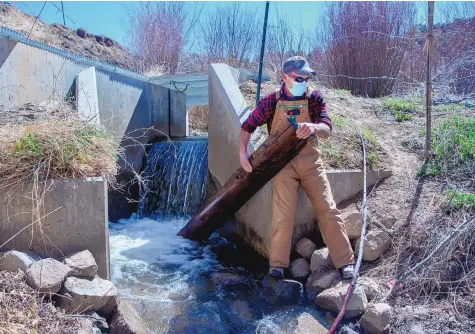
307 324
332 299
299 268
305 247
376 243
285 290
371 288
82 264
242 311
353 224
99 322
126 320
347 330
387 221
226 279
81 294
319 281
14 260
47 275
81 32
377 318
321 260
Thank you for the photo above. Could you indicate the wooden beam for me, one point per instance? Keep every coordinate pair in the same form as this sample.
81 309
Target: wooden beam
278 150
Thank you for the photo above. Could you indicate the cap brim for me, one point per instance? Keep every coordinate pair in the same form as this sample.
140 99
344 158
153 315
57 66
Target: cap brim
304 70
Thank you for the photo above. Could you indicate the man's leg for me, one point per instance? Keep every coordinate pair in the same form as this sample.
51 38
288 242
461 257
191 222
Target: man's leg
284 204
332 227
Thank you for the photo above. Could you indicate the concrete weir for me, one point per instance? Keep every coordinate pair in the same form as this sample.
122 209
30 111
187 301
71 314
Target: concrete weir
128 104
227 111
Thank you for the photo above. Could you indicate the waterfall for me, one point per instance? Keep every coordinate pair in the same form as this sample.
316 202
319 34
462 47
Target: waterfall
176 176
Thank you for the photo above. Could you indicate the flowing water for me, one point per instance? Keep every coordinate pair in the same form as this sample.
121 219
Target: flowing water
170 279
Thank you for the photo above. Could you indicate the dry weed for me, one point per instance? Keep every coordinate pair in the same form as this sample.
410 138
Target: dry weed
23 311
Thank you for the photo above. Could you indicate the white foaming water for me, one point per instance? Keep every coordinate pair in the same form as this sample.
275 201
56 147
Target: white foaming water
149 263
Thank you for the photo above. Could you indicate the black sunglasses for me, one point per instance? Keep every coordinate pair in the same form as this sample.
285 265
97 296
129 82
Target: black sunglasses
299 79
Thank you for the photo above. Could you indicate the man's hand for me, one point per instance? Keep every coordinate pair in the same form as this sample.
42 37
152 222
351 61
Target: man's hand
305 130
244 156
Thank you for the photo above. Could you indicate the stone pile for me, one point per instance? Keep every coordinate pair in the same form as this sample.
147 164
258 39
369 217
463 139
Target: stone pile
75 287
323 283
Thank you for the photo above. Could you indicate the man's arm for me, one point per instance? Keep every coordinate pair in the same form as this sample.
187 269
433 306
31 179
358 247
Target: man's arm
259 116
244 138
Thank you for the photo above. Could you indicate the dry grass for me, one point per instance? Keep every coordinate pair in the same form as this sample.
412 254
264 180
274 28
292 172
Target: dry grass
198 120
23 311
59 144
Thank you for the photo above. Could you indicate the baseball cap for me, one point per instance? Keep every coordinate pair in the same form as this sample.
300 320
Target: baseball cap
298 65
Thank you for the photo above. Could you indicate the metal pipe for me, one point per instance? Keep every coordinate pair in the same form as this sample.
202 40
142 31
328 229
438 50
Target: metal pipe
62 10
430 36
261 60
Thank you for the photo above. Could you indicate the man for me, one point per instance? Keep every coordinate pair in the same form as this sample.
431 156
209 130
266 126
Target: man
296 99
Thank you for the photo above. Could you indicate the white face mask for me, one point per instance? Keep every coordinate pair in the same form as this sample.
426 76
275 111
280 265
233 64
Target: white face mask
298 88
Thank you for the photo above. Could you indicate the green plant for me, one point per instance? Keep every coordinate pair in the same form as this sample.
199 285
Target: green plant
402 116
29 144
373 160
399 104
453 145
460 199
448 107
342 92
369 135
338 121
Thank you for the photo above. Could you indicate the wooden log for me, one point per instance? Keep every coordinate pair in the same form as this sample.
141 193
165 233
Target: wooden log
278 150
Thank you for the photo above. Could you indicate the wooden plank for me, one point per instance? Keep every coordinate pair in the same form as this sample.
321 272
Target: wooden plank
278 150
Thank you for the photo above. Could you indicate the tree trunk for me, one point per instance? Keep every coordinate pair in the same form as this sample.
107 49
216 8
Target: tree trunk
278 150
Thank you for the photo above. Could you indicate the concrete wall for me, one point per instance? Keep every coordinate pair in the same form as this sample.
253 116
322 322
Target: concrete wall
227 111
128 106
87 103
75 218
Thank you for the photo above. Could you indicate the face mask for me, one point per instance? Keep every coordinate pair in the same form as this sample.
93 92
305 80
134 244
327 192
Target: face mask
298 88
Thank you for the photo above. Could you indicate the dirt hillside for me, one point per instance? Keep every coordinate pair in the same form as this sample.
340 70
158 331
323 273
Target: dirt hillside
77 41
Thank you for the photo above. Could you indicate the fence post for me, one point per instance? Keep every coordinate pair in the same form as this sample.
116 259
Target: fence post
430 35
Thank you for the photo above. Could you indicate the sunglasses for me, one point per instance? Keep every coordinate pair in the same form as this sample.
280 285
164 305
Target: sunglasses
299 79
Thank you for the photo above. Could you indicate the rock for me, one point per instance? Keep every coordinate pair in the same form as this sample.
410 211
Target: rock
307 324
415 328
319 281
377 318
14 260
91 294
347 330
81 32
332 299
299 268
177 296
99 322
99 38
126 320
321 260
47 275
82 264
226 279
305 247
285 290
386 220
371 288
353 224
376 243
242 311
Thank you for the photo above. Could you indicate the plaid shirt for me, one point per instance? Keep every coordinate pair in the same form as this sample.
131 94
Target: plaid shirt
265 110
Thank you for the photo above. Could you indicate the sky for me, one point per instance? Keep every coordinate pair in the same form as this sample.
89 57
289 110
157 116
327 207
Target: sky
108 17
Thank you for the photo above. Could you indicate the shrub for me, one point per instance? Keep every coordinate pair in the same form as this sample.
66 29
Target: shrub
460 199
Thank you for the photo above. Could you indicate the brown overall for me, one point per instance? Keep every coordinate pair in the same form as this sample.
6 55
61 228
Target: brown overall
305 169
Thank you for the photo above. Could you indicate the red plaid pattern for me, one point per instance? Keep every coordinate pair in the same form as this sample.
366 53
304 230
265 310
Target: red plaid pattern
264 112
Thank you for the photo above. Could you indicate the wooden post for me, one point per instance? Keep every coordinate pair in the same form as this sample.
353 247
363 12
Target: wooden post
267 161
430 36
